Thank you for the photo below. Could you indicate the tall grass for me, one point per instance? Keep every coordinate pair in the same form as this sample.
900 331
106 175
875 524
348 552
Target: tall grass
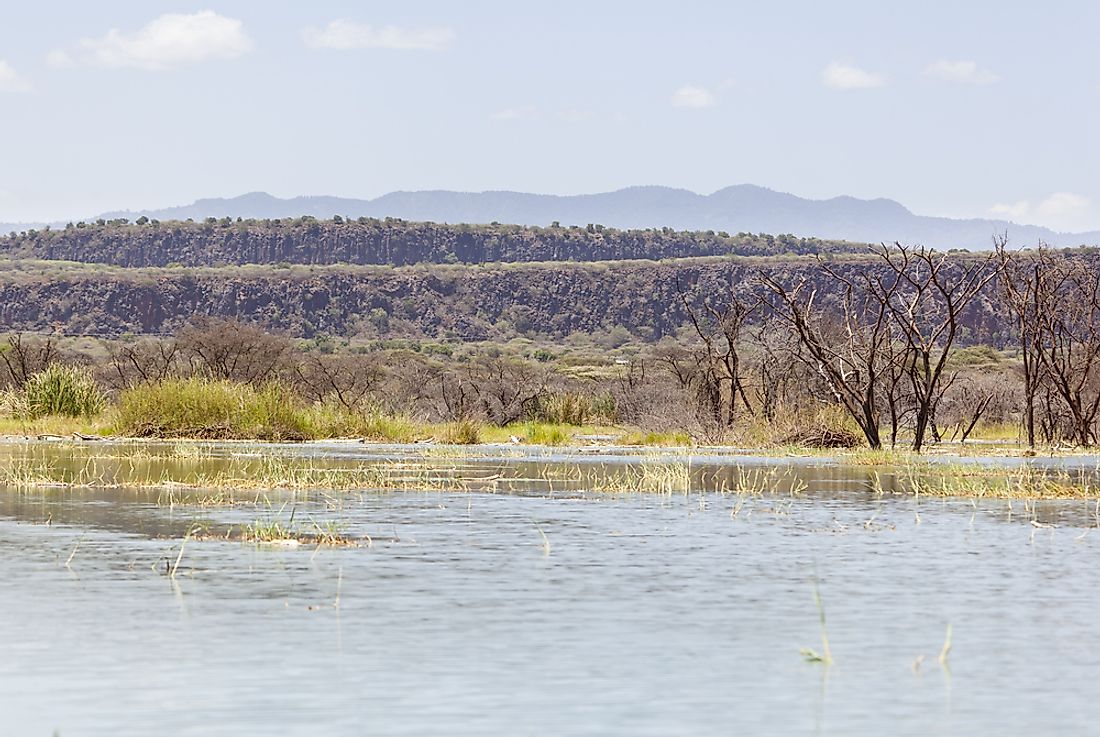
205 408
332 420
67 391
463 432
570 408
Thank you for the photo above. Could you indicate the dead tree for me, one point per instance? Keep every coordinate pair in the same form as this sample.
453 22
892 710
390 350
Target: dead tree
1026 281
1068 341
852 359
233 351
24 357
926 297
349 380
143 361
721 384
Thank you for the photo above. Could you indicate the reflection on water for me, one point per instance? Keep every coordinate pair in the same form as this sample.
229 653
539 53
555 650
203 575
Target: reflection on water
637 614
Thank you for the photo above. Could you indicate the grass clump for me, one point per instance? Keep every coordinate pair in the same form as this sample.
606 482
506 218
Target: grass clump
542 433
207 408
59 390
463 432
332 420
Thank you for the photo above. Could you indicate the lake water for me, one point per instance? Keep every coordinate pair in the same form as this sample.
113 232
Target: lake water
531 613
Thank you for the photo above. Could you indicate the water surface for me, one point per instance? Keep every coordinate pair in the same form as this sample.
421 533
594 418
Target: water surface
636 614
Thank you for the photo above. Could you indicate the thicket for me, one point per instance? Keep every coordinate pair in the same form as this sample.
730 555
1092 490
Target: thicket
390 241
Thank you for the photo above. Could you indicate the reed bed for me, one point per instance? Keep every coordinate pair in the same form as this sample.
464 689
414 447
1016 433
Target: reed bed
978 481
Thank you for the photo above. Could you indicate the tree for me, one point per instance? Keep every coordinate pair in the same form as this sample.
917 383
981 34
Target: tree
850 350
720 383
24 357
234 351
926 293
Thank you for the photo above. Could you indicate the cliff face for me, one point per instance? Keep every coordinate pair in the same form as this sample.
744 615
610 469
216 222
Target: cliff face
382 242
472 302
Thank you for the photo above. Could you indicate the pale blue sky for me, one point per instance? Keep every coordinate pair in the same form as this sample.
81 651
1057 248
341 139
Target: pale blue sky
955 109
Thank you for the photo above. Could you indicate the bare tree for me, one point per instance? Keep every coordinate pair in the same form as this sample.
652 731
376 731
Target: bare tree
850 353
349 380
1068 344
1026 291
24 356
720 383
926 295
235 351
143 361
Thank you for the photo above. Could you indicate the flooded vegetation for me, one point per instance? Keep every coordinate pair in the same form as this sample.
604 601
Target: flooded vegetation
486 585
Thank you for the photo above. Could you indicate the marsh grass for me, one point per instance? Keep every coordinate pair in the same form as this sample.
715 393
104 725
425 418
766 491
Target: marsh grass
978 481
671 439
825 657
65 391
206 408
650 477
175 477
273 530
463 432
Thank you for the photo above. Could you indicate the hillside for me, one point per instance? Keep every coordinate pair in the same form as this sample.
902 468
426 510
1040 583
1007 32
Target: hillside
740 208
437 302
306 240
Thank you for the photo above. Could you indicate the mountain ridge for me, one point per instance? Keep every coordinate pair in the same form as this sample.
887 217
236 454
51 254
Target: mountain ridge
738 208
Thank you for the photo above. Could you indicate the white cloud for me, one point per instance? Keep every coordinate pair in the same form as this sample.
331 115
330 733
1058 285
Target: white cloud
1059 210
12 81
1062 204
171 40
963 72
1011 210
60 58
346 34
841 76
526 112
693 97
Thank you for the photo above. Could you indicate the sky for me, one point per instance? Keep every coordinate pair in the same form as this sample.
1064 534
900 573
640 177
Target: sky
975 109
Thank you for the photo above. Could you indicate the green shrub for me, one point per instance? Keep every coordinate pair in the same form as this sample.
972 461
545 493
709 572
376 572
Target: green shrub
69 391
332 420
216 409
539 433
463 432
566 408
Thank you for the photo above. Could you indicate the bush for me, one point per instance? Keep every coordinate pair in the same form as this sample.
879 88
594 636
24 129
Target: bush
541 433
463 432
566 408
13 404
214 409
332 420
69 391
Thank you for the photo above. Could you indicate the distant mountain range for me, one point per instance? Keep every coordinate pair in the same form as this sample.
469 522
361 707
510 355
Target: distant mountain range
741 208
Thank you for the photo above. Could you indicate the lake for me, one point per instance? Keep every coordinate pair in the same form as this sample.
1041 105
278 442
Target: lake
537 607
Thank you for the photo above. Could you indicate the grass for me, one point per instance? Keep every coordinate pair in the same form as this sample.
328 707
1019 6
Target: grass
672 439
66 391
56 426
191 473
650 477
919 477
273 530
463 432
825 657
219 477
206 408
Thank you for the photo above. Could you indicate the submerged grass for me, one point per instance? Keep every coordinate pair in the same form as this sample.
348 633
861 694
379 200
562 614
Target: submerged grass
212 474
973 480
